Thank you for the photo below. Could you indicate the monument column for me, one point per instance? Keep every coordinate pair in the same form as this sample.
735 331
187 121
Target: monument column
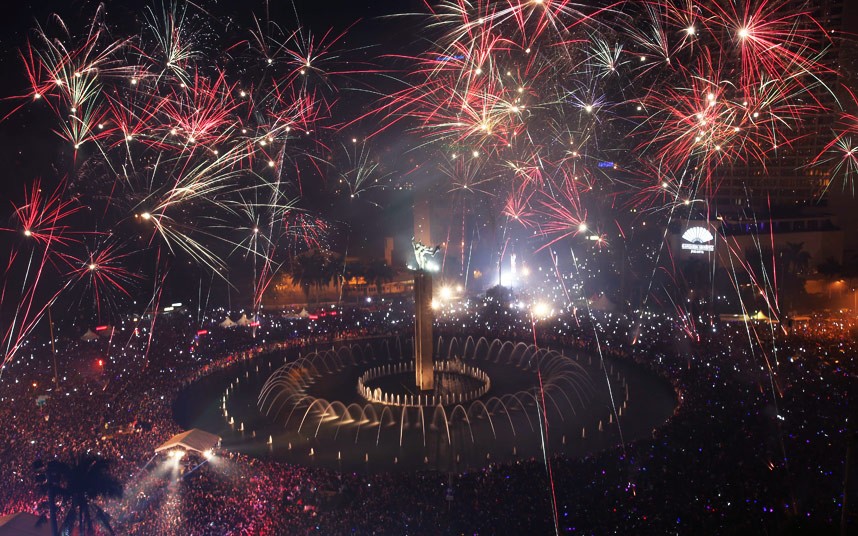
423 365
423 317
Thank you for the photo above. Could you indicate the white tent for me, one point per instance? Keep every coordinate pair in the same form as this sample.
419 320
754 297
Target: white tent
195 440
89 336
227 323
243 321
23 524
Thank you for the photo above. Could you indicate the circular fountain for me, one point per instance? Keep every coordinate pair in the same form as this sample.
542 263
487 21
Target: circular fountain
491 400
355 406
382 404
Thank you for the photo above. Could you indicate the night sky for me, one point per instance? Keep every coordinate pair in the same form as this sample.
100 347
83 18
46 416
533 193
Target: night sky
557 136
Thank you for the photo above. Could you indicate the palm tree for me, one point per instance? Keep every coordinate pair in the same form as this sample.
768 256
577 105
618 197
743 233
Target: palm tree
831 268
795 259
357 271
332 271
378 273
48 479
78 485
308 271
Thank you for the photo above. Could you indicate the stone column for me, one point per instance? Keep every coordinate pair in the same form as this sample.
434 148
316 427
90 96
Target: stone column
424 375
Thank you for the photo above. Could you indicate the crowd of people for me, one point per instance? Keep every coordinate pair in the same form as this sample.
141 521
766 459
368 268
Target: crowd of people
757 445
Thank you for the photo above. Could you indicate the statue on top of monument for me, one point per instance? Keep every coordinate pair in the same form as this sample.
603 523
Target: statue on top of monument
423 253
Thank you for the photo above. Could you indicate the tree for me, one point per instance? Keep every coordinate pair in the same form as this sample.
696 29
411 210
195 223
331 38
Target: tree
831 268
794 258
332 271
79 485
48 480
309 270
378 273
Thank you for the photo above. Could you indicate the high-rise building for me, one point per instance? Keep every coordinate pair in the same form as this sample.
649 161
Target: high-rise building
788 178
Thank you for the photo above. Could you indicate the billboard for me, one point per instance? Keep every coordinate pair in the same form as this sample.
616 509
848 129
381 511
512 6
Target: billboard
698 240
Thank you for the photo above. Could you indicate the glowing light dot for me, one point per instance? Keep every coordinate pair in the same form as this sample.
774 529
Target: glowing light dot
192 140
303 71
354 140
173 131
639 108
710 96
582 227
92 266
271 163
73 110
664 185
242 93
756 114
37 96
521 90
643 58
691 30
146 216
128 137
717 147
101 126
244 131
133 81
744 33
475 154
270 61
256 229
527 50
588 108
27 232
478 70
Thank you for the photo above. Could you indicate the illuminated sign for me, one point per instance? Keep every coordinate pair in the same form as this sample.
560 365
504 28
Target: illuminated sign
696 240
450 58
606 164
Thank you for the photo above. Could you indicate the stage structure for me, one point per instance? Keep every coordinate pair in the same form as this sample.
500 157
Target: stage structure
423 317
194 440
